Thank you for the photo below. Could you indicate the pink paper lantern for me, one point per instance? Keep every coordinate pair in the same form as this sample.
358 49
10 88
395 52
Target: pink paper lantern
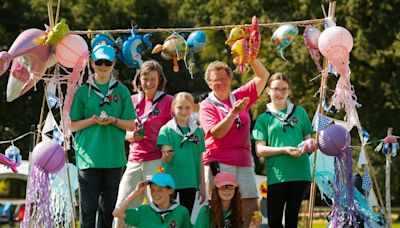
335 43
48 156
70 49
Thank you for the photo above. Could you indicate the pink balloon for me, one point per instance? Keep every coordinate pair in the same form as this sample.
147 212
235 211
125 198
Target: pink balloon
310 37
70 49
335 43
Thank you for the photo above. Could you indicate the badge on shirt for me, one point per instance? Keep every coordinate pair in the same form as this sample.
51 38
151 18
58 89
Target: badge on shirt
173 224
294 120
156 111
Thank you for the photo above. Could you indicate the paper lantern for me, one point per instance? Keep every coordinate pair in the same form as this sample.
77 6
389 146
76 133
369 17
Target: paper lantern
335 43
48 156
70 49
334 140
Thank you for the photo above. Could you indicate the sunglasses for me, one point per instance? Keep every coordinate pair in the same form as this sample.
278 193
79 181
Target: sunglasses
103 61
227 187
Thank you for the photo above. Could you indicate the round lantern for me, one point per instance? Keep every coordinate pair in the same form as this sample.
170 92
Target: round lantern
334 140
48 156
335 43
70 49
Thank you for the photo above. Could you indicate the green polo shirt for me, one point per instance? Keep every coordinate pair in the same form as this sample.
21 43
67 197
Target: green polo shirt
184 166
283 168
145 217
101 146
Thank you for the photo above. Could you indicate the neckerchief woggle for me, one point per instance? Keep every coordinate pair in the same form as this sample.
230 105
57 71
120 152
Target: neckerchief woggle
112 84
164 212
211 97
285 121
188 137
145 117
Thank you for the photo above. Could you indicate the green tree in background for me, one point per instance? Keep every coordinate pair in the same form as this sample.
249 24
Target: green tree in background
375 58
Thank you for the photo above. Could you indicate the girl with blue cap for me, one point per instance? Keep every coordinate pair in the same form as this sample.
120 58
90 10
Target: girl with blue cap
101 113
162 211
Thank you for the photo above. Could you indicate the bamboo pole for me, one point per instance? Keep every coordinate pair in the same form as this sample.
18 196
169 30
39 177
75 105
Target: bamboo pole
387 184
217 27
322 93
60 94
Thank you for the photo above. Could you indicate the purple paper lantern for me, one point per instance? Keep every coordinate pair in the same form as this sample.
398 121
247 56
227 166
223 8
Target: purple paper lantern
334 140
48 156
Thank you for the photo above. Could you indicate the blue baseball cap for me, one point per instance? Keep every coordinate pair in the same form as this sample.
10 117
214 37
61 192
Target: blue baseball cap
103 52
162 180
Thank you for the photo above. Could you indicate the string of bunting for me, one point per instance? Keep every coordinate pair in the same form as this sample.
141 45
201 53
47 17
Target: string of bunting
18 138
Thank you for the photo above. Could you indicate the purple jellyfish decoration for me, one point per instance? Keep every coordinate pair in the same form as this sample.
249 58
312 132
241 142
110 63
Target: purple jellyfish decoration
47 157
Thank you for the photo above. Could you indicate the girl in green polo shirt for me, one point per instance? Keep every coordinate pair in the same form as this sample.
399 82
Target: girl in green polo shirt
278 132
182 143
162 211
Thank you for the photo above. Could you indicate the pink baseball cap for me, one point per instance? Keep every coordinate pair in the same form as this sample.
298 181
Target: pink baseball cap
225 178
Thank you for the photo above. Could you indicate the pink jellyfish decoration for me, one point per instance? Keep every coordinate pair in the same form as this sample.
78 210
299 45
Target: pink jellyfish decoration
47 157
310 37
335 43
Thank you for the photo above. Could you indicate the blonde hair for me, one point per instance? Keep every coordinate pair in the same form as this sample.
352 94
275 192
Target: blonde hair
216 66
182 96
147 66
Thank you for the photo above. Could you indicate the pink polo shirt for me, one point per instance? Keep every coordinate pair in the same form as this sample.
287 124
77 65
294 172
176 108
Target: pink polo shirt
234 148
146 148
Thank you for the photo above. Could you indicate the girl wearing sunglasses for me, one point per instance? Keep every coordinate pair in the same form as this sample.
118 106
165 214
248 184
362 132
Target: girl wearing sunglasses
101 112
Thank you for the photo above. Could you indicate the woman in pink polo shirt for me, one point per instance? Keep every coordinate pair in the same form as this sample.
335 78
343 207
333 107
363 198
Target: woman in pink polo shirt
153 108
224 117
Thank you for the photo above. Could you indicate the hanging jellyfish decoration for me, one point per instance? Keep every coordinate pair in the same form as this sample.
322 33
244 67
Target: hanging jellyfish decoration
12 158
47 157
174 47
335 44
310 37
60 196
130 48
335 141
243 50
284 36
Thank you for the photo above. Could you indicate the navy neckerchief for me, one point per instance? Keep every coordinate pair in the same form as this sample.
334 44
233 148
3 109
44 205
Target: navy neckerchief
164 212
188 137
285 121
159 95
112 84
213 99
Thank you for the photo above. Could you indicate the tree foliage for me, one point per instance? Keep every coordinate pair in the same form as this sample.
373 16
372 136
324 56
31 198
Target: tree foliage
375 58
